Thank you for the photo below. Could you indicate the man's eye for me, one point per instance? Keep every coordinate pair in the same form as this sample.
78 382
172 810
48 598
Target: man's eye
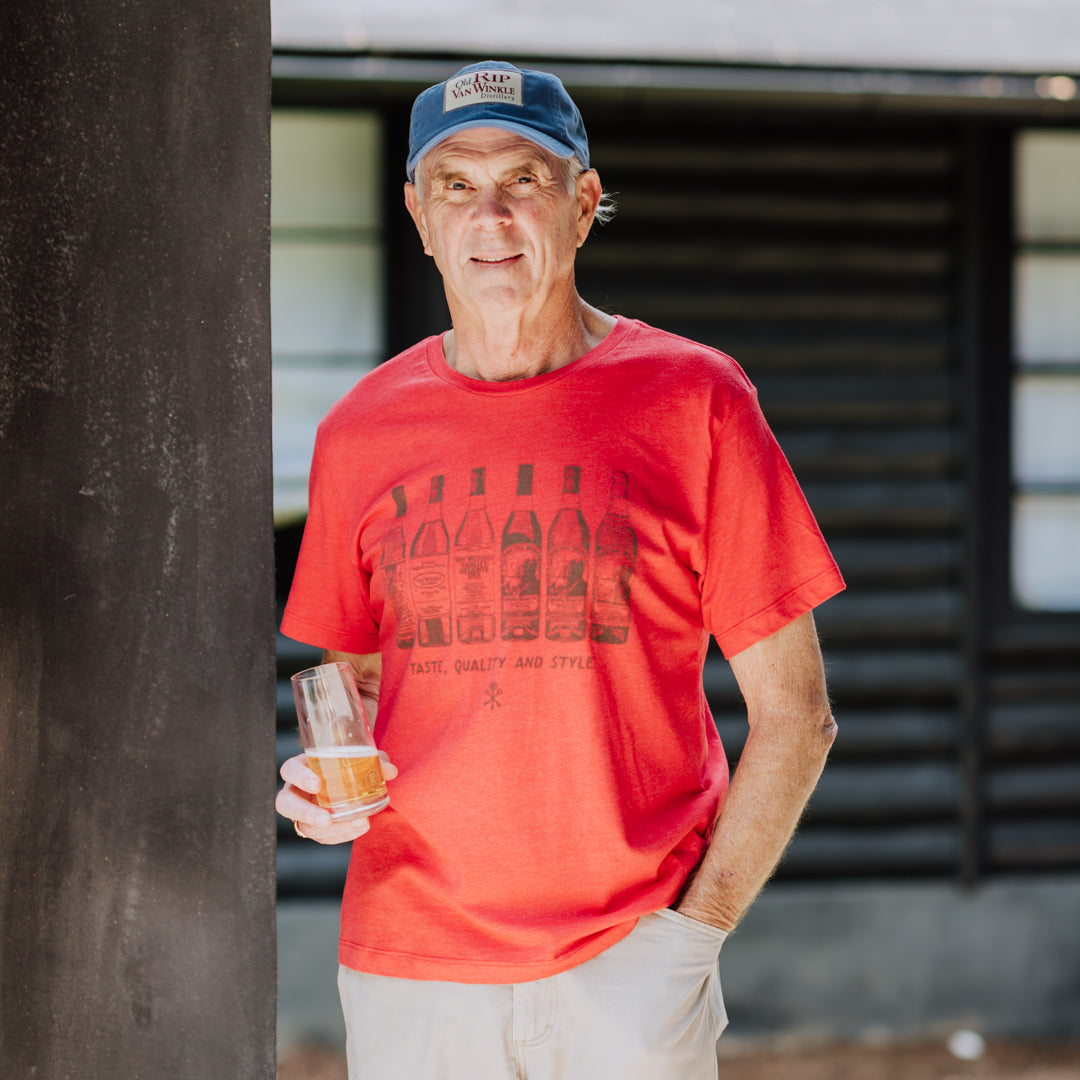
526 179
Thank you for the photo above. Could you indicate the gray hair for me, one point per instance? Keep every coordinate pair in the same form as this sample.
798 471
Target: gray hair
572 169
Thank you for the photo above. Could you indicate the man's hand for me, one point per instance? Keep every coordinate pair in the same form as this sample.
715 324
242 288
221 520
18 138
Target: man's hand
296 801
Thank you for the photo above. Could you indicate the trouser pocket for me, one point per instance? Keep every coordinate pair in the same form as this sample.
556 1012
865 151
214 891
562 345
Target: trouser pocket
694 950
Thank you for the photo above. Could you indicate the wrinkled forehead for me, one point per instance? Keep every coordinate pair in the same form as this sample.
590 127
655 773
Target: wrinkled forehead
487 147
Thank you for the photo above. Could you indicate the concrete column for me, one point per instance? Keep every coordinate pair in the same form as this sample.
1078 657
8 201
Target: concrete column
136 592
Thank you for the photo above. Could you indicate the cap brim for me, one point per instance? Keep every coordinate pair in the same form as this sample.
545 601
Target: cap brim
559 149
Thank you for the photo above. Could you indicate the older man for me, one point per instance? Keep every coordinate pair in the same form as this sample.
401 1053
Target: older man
521 534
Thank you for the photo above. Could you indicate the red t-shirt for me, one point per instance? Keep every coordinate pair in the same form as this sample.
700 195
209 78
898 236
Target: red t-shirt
540 563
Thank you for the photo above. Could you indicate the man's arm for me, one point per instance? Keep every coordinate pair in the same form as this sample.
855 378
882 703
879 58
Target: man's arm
782 680
296 800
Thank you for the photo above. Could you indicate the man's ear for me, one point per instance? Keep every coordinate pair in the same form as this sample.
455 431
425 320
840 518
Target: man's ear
588 189
416 212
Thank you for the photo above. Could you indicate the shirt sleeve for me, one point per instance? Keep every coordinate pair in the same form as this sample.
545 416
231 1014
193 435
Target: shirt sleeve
766 560
330 600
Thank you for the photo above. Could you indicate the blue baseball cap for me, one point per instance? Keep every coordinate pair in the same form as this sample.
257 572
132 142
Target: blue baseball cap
495 94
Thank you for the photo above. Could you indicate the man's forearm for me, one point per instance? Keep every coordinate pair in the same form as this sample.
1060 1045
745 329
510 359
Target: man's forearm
782 680
776 775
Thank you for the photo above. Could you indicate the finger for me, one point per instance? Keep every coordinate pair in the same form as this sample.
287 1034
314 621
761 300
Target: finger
296 771
389 769
338 832
299 806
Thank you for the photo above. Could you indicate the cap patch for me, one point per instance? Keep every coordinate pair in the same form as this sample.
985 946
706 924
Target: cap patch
492 87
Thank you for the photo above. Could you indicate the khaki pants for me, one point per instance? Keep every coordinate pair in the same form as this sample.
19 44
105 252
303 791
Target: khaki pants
649 1008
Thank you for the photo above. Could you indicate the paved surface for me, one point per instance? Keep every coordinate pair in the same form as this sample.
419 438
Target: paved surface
1002 1061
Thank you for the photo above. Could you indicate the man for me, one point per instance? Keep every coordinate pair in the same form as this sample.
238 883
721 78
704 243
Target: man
521 534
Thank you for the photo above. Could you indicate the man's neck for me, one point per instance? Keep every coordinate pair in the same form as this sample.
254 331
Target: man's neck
509 348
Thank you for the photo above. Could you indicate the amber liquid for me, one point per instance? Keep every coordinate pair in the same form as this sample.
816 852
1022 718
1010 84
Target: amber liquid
352 780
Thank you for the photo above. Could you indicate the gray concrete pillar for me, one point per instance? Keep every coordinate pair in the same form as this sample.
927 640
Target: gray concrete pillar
136 592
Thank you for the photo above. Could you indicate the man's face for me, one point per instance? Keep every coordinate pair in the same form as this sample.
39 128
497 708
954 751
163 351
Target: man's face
502 223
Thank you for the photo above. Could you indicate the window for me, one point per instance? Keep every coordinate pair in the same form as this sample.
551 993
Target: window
1046 373
326 278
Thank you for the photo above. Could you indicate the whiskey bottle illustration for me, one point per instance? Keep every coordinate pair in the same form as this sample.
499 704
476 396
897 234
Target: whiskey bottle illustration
613 567
429 572
475 569
520 564
567 565
392 563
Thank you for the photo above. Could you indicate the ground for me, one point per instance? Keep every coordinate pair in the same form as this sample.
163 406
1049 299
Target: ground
1001 1061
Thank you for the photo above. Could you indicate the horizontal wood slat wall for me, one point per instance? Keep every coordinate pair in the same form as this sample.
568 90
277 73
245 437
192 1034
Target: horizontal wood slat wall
1032 748
823 260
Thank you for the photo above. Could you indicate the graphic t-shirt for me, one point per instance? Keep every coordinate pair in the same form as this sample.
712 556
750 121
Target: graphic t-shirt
541 563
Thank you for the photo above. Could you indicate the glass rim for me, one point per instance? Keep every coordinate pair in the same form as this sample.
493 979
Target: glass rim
319 671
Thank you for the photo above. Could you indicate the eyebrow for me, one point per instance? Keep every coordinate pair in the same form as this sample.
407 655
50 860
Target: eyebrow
528 162
441 173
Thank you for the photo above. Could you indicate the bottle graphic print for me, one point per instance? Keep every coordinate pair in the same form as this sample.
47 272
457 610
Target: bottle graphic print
475 569
392 563
613 567
520 565
567 565
429 572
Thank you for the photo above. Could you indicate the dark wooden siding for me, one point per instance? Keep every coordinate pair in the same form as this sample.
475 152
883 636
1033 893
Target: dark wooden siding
823 256
1032 759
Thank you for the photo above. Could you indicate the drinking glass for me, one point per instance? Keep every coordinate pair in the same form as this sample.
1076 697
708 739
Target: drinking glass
337 742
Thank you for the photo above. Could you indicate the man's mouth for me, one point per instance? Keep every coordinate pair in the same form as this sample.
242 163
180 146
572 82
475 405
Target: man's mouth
494 260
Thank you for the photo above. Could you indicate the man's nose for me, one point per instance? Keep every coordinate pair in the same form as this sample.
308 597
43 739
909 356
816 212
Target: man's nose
493 208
